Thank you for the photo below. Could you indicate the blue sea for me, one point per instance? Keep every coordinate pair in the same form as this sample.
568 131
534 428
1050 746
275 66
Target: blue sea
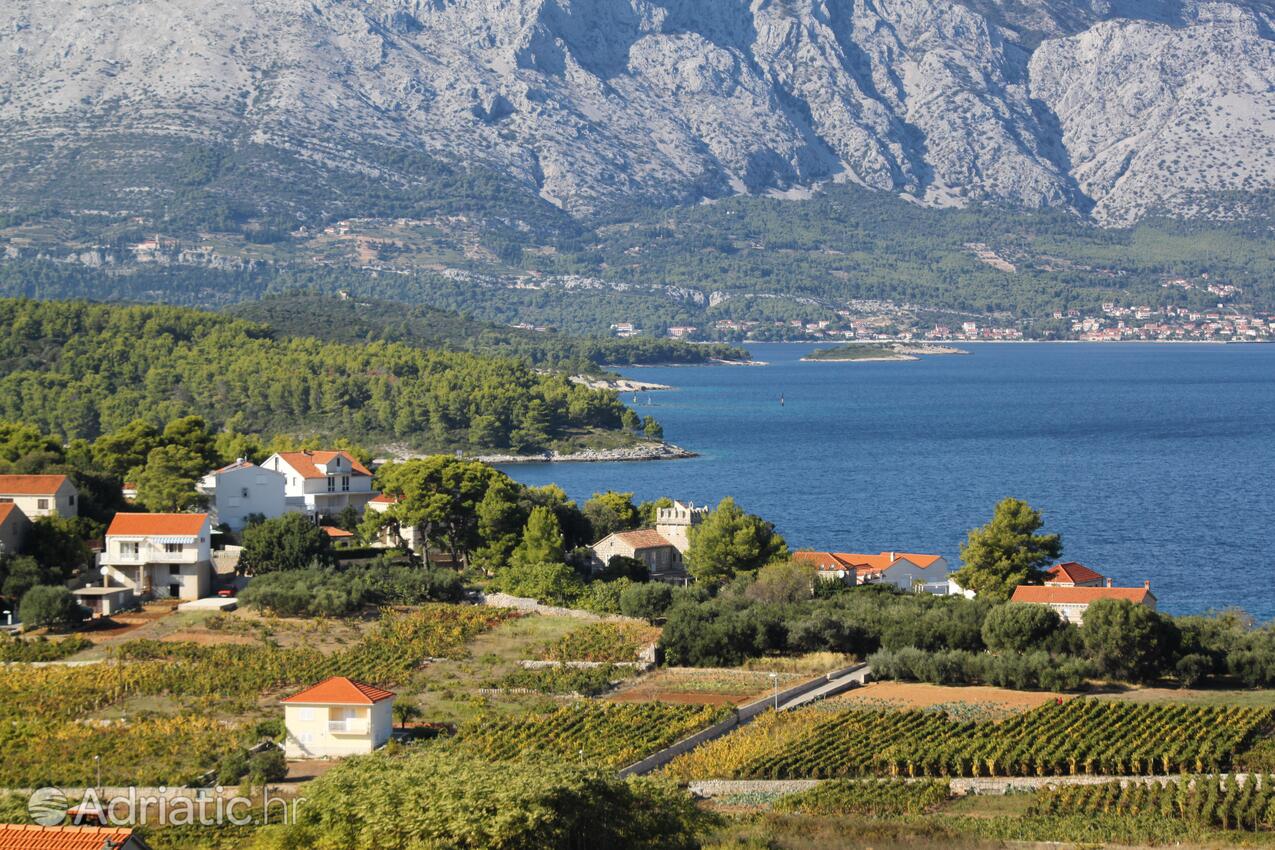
1152 461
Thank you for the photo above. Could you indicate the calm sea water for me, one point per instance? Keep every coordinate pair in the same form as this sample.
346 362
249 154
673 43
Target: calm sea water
1153 461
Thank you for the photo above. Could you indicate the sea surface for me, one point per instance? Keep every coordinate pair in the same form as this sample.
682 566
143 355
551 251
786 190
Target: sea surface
1153 461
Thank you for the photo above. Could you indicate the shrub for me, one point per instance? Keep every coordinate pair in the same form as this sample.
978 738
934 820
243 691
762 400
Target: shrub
1019 628
49 606
330 592
267 766
288 542
648 600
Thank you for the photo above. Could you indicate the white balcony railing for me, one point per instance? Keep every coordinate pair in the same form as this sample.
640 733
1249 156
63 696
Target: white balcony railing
348 727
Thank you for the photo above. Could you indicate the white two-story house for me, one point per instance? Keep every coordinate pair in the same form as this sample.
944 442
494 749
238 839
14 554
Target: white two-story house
159 555
241 489
322 483
40 495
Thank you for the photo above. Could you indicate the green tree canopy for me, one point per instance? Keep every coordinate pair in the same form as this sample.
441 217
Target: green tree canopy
120 452
288 542
167 481
610 512
49 606
648 600
58 543
541 539
1012 627
1006 552
439 497
1128 642
730 541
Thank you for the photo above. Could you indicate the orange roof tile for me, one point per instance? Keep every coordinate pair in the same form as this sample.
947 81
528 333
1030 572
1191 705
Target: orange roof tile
643 538
827 561
6 510
306 463
385 499
333 531
1072 572
147 525
1078 595
33 837
30 485
338 690
884 560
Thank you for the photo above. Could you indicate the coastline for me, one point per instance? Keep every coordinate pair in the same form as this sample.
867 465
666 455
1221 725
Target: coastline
644 451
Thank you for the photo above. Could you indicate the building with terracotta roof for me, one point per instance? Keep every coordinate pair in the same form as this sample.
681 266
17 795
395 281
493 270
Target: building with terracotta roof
14 526
661 548
1072 574
905 570
33 837
322 483
337 717
159 555
40 495
243 489
1072 602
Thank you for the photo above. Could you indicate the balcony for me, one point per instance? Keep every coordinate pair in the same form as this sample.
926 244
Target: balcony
348 727
150 555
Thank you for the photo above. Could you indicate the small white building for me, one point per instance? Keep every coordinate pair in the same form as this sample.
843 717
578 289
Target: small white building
388 538
242 489
40 495
322 483
337 717
159 555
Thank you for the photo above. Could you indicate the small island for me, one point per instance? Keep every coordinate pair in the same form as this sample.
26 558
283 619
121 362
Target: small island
864 351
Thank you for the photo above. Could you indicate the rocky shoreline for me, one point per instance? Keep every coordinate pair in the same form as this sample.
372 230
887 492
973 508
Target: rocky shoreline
644 451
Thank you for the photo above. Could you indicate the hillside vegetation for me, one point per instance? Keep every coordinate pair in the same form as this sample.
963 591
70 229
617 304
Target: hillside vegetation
79 369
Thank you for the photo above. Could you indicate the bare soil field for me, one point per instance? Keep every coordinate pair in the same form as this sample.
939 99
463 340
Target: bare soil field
905 695
694 686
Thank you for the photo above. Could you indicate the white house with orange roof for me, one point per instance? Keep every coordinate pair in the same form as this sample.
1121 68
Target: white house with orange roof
30 836
904 570
382 503
159 555
337 717
40 495
242 489
322 483
1072 602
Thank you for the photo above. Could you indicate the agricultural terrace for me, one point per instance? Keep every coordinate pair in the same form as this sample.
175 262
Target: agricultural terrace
612 642
1205 800
702 686
587 732
1082 736
172 692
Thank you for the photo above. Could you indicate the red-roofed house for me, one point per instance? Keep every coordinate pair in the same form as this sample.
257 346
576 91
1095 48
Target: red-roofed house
827 565
40 495
904 570
1072 602
14 526
322 483
1071 574
337 717
661 548
33 837
160 555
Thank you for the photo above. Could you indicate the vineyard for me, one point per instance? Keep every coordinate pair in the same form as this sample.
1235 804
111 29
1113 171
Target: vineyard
1209 801
14 648
1077 737
607 642
562 680
610 734
61 697
885 798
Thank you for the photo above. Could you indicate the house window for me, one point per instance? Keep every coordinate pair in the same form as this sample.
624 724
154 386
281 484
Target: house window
42 504
130 548
345 483
174 548
243 491
331 483
70 500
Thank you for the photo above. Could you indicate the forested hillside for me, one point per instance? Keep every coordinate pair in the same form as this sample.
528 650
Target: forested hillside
78 369
364 320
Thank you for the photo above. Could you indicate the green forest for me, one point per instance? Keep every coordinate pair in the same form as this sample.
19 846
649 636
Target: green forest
78 369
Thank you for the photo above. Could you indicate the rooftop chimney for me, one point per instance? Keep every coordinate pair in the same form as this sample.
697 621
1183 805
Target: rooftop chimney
1147 584
1108 581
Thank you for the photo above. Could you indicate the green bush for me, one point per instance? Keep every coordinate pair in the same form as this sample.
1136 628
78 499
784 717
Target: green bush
331 592
267 766
49 606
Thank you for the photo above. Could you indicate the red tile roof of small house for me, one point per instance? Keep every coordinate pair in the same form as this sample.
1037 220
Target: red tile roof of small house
1079 595
306 463
385 499
1072 572
34 837
884 560
31 485
333 531
338 690
826 561
151 525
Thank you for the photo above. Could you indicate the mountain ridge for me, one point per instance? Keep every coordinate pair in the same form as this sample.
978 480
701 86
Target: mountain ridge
593 106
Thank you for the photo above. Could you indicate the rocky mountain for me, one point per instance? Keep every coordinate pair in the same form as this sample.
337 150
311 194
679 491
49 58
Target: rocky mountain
1114 108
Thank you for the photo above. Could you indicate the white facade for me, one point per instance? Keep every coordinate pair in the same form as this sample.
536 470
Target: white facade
906 574
241 489
674 523
322 483
41 495
333 731
159 555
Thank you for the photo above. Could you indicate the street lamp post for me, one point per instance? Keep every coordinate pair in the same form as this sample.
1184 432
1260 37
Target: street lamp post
774 681
97 762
